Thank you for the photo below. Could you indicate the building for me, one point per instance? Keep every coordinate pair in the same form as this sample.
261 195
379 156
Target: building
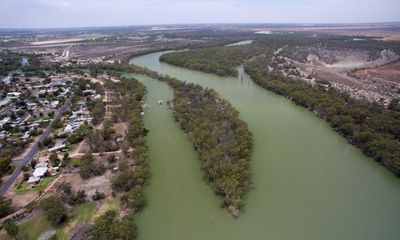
33 180
26 136
40 171
58 146
13 95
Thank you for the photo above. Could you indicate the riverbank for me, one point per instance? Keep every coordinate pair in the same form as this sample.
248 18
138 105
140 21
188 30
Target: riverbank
304 173
222 140
370 127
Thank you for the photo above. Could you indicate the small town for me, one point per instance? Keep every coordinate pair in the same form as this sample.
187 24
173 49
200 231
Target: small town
61 132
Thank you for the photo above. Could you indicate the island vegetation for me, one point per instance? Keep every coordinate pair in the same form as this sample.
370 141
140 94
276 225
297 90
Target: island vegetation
372 127
221 138
223 141
218 60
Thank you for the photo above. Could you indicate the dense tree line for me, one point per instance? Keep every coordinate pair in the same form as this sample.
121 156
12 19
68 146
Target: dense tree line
275 41
223 60
10 61
97 110
223 141
221 138
220 60
108 226
129 94
103 140
369 126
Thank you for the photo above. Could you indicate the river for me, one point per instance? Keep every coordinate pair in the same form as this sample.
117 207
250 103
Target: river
246 42
309 183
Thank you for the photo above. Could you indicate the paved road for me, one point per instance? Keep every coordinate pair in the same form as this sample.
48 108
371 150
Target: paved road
32 152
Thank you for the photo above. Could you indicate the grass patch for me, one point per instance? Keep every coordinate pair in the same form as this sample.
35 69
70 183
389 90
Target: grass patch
82 214
110 203
85 213
34 228
75 162
24 187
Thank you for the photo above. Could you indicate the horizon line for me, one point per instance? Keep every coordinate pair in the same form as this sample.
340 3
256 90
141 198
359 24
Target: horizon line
183 24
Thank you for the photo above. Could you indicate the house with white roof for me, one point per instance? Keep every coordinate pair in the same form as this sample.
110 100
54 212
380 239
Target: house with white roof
13 94
39 172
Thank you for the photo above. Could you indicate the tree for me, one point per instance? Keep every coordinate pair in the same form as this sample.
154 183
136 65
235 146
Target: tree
54 210
88 167
55 161
98 196
33 163
78 198
26 176
5 166
65 188
126 180
134 199
57 124
108 227
394 105
11 229
65 157
5 207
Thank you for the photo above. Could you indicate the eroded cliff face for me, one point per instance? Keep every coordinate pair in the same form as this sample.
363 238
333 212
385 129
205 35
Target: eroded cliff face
343 58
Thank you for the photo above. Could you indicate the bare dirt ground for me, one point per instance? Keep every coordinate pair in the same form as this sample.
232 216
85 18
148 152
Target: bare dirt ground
91 185
21 200
121 128
386 74
83 147
364 75
100 50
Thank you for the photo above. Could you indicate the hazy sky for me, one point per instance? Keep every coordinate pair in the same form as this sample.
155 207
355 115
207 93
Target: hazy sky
82 13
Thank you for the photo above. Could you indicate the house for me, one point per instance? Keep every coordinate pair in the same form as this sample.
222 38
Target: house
98 96
42 164
4 121
58 146
89 92
4 134
68 129
54 104
13 95
39 172
31 105
57 83
25 136
6 80
33 180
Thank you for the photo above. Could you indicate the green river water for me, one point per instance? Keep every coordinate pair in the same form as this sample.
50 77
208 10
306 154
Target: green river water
309 183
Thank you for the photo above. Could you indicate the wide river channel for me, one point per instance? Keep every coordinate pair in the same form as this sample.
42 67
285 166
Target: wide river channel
309 183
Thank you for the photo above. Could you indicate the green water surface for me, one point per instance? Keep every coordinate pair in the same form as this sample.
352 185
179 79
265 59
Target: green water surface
309 183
